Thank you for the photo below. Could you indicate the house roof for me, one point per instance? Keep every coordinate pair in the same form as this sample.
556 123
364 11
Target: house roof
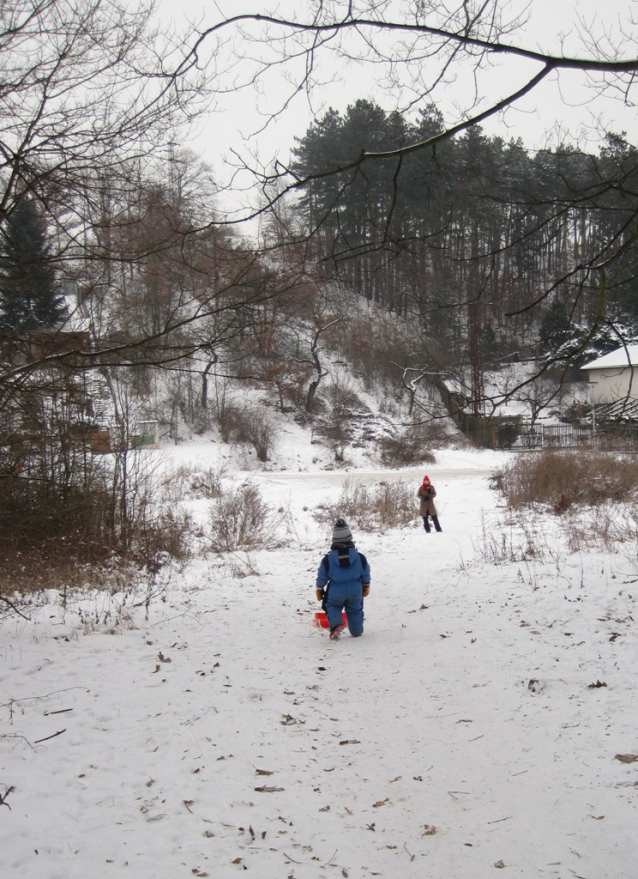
617 359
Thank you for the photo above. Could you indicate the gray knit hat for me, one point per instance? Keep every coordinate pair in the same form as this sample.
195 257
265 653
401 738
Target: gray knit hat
341 532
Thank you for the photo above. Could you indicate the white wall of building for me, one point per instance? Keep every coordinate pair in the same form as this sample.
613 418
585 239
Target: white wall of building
609 385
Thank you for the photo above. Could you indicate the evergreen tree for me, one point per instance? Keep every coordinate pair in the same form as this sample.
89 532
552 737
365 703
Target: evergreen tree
28 297
490 345
556 328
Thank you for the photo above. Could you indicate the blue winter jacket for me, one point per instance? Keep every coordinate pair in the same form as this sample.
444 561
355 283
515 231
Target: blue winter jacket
353 569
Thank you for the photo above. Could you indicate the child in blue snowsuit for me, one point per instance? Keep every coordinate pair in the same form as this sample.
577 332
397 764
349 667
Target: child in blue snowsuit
343 581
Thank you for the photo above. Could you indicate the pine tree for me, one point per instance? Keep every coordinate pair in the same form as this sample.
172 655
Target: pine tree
556 328
28 297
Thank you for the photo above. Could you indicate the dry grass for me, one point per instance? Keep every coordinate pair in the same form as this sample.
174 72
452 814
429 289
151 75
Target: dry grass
403 450
60 567
518 540
592 494
241 519
606 528
70 561
372 507
563 480
96 533
187 482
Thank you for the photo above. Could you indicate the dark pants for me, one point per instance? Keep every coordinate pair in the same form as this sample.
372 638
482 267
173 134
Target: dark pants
426 523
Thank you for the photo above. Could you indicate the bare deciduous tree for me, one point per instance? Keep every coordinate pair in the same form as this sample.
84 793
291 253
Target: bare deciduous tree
445 53
415 51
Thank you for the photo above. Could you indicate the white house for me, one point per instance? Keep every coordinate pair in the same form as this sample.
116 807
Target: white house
614 377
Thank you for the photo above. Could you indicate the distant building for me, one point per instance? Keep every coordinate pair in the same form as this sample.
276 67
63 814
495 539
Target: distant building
614 378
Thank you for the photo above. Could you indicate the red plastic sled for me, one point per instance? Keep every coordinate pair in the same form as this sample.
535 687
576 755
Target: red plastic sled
322 620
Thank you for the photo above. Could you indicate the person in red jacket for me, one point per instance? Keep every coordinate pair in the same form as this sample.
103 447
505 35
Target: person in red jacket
426 495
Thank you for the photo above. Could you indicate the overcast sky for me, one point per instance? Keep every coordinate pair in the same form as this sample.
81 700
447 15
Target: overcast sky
560 109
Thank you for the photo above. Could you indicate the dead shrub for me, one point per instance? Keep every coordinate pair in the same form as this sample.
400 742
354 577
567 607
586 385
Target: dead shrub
374 507
206 483
411 446
162 537
340 406
561 480
241 519
63 537
187 482
249 424
261 432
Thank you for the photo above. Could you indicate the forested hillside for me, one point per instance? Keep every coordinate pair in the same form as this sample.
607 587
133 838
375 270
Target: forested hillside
494 251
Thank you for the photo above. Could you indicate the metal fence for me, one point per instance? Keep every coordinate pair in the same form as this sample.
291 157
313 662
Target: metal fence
552 436
617 437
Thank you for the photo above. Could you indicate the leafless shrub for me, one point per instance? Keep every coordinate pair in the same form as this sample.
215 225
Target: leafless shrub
261 432
372 507
248 424
241 519
335 425
560 480
206 483
187 481
175 483
411 446
120 519
163 537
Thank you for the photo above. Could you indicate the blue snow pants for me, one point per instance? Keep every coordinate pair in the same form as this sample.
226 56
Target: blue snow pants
345 595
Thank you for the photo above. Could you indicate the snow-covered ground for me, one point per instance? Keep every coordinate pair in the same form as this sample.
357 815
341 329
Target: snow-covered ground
476 726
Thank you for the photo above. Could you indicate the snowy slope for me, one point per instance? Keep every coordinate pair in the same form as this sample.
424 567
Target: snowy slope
475 726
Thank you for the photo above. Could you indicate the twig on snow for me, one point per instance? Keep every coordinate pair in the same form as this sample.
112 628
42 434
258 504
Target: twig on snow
37 698
14 608
168 619
293 860
329 861
3 798
46 738
16 736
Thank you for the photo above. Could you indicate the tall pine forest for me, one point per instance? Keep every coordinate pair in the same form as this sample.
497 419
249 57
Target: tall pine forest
492 253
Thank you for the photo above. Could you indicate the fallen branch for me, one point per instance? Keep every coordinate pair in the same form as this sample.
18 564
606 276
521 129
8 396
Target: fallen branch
14 608
46 738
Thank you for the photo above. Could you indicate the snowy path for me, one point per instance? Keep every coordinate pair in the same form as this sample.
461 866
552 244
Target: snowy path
227 735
